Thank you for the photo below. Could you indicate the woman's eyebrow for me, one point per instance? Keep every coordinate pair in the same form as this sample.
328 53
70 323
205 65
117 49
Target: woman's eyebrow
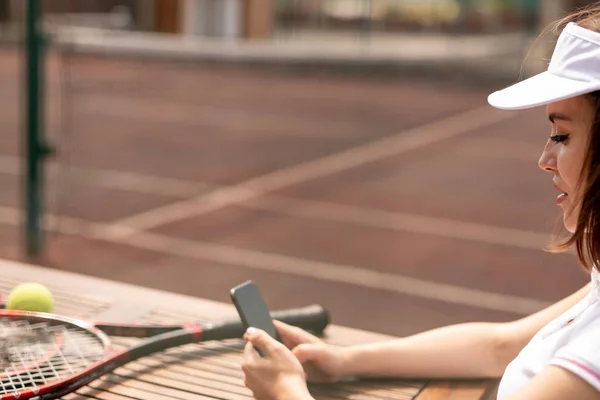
554 116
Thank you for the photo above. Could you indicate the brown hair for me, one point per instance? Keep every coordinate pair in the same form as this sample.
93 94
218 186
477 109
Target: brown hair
586 237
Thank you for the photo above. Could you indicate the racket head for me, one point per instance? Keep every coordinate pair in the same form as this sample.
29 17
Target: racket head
40 351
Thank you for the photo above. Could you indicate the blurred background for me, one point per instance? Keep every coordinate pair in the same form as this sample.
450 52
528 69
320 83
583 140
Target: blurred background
339 152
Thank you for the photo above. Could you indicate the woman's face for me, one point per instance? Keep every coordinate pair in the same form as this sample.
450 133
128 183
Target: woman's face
571 122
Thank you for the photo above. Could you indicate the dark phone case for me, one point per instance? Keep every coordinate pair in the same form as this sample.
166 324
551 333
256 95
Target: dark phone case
252 309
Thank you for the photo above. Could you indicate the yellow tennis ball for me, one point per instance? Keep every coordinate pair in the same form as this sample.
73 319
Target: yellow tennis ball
30 296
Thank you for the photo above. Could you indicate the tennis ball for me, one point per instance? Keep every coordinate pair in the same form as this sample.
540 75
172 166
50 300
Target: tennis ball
30 296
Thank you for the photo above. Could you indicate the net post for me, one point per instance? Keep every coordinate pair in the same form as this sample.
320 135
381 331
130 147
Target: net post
35 148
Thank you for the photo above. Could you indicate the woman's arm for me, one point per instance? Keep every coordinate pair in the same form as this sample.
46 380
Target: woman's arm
457 351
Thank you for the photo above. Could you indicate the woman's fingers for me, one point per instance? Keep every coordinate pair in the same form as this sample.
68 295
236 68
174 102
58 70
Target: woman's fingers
250 354
292 336
261 340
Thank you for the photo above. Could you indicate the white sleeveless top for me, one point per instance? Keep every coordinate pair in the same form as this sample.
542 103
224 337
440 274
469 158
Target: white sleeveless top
571 341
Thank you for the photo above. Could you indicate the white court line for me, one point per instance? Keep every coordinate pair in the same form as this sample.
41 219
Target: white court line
360 155
403 222
362 216
336 273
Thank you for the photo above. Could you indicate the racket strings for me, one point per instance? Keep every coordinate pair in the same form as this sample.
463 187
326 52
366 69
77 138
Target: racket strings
38 353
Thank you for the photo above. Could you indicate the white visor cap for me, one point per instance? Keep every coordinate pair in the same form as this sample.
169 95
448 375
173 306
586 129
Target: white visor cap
573 70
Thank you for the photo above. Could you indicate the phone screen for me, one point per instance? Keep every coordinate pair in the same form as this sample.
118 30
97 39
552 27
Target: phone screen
252 308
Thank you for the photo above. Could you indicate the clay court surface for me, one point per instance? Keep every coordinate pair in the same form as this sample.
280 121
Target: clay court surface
399 204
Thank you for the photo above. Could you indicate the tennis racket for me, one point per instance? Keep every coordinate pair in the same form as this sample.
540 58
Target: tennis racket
45 356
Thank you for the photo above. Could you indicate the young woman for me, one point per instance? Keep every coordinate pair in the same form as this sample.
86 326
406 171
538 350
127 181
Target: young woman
552 354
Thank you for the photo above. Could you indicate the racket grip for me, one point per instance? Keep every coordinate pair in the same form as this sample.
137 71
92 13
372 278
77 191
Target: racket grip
313 318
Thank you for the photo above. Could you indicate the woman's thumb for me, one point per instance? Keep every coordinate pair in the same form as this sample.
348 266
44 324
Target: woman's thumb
308 352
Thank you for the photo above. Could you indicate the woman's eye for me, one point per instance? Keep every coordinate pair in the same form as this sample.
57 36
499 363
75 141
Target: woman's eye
559 138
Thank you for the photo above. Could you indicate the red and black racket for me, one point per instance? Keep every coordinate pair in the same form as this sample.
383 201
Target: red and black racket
45 356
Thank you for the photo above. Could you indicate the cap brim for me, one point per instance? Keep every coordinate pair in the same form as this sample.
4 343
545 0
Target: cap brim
541 89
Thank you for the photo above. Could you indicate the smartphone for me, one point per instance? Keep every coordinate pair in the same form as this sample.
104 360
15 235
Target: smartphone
252 309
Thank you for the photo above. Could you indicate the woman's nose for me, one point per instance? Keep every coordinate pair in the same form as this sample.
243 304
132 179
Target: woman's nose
547 161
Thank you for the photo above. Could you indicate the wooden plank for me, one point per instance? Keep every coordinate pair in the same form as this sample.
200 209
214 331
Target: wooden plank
215 370
91 393
207 370
458 390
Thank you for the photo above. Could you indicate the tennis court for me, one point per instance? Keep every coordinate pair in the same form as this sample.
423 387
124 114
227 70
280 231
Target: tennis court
400 204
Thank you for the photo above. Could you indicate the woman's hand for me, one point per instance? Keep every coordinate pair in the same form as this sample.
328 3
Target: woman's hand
322 362
276 376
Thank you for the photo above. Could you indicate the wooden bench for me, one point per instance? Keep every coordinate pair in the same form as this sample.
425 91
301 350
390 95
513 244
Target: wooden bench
202 371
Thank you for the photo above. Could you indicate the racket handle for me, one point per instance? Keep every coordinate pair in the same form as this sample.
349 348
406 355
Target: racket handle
313 318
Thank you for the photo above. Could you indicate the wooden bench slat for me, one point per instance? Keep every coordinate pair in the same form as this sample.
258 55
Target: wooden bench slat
179 377
142 390
173 383
457 390
91 393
